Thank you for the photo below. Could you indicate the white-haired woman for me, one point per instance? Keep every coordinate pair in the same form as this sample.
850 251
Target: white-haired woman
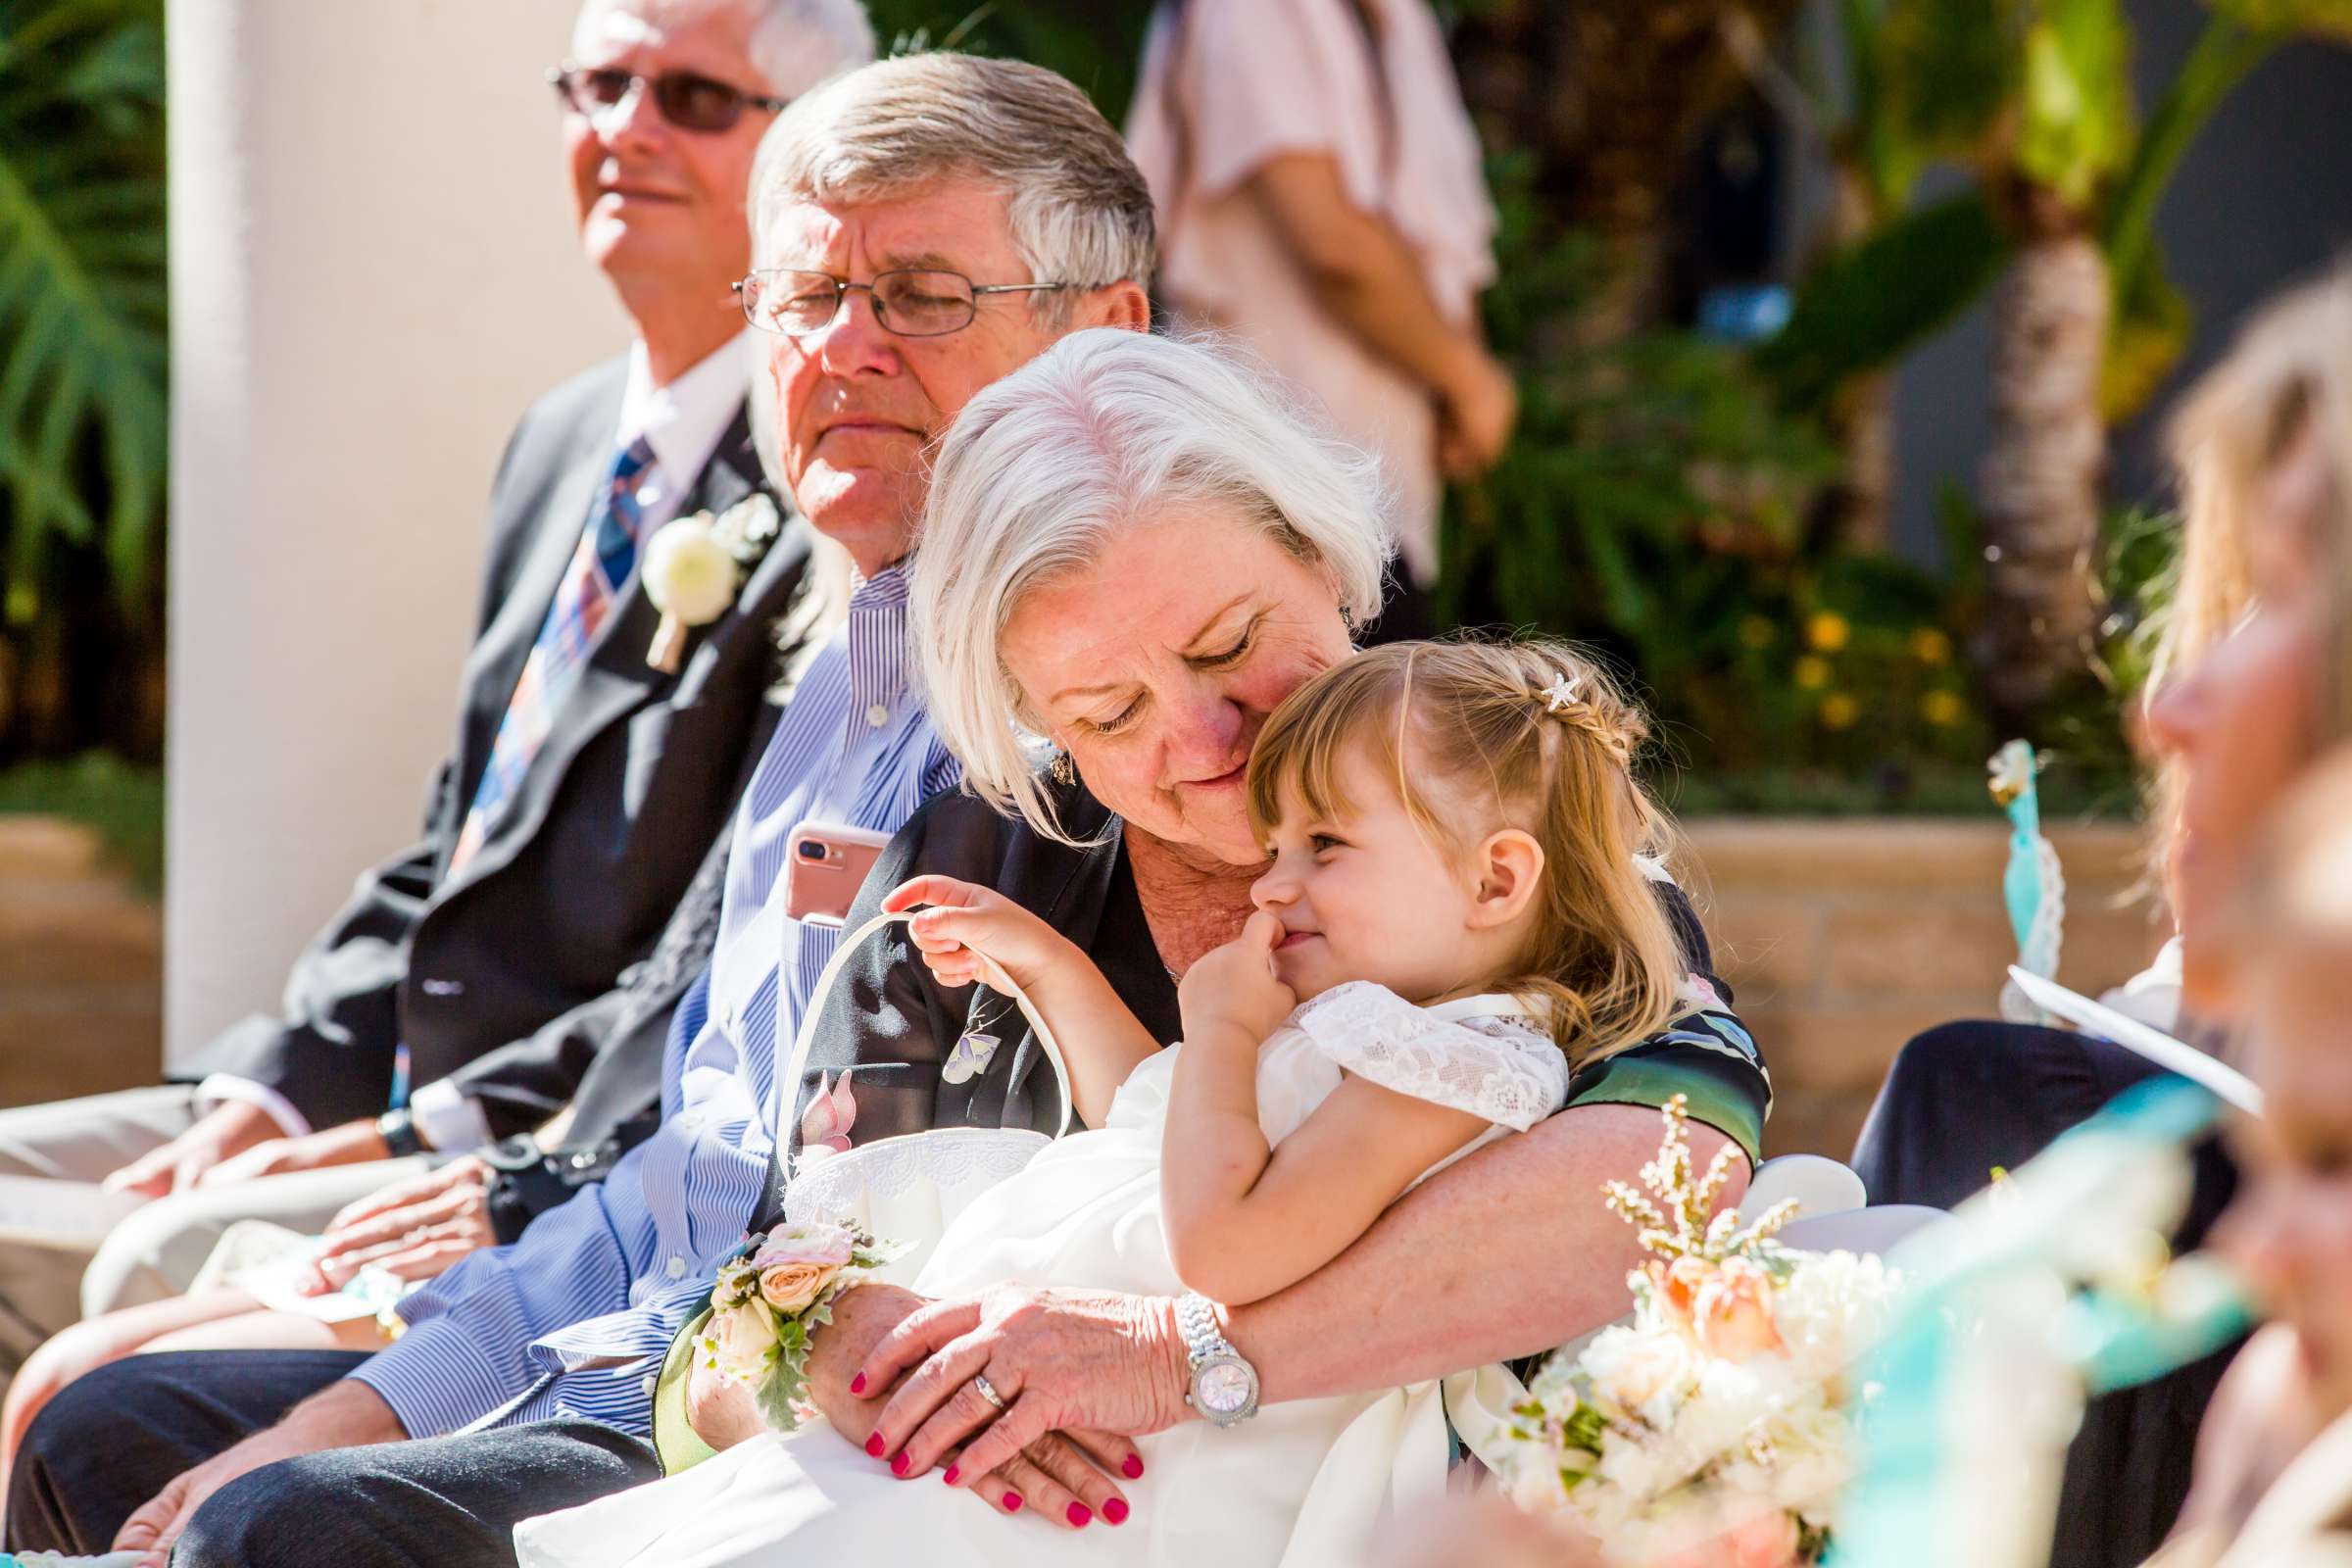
1133 553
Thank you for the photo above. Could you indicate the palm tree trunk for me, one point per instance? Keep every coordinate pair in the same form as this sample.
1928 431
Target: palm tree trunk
2043 470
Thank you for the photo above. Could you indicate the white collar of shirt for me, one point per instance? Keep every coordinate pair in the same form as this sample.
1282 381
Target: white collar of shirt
683 420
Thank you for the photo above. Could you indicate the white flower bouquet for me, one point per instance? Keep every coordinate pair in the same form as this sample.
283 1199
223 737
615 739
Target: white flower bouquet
1715 1427
768 1299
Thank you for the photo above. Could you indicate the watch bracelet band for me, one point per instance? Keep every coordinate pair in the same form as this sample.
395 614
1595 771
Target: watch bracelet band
1196 1321
398 1130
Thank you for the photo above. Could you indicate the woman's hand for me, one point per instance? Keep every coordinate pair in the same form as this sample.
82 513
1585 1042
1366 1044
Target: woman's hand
971 933
1073 1361
1063 1477
413 1230
1235 987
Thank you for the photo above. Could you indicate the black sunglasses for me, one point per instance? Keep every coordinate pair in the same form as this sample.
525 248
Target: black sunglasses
686 100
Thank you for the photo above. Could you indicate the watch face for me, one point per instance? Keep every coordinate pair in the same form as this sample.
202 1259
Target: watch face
1225 1387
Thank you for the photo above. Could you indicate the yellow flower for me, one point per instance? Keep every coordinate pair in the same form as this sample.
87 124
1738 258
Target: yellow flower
1755 632
1931 647
1838 711
1812 673
1827 631
1943 709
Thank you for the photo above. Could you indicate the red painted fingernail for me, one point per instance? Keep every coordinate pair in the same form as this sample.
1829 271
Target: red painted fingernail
1133 1466
1080 1515
900 1462
950 1475
1012 1503
873 1444
1115 1510
858 1384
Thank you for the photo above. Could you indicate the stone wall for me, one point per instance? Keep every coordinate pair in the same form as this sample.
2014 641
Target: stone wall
1846 937
81 968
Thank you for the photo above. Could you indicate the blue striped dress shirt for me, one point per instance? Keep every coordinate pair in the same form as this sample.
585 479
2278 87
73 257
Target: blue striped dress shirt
569 1319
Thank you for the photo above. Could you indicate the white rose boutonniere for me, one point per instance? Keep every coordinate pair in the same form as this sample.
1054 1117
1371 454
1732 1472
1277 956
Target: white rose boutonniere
695 567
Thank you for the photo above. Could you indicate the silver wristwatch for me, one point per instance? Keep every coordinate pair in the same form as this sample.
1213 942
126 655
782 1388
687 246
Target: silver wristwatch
1224 1385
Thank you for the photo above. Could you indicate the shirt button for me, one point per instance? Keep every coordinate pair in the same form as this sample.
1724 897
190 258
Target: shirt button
676 1267
652 1381
877 716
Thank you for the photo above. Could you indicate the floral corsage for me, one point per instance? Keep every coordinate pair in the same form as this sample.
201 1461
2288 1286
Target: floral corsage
695 567
769 1296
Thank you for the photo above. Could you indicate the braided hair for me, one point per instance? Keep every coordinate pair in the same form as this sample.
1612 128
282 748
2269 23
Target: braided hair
1483 735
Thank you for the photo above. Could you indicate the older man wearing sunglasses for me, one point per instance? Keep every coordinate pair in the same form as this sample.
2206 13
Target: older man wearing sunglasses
587 785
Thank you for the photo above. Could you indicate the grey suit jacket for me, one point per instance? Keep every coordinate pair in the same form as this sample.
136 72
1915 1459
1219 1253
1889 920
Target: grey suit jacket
637 777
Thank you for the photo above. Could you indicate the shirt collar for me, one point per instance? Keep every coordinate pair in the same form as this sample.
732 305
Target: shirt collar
877 637
683 420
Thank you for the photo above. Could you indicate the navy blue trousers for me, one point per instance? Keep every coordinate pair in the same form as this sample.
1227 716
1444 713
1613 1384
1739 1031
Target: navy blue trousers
113 1440
1967 1096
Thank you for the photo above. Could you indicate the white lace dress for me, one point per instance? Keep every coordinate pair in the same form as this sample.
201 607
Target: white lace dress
1309 1482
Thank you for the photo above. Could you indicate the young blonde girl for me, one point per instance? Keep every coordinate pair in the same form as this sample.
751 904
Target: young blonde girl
1458 911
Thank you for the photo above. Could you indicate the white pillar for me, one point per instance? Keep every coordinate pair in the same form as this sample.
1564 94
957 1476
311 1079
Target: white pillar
372 273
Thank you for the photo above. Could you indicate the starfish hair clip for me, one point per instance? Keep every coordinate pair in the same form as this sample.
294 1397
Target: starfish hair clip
1564 693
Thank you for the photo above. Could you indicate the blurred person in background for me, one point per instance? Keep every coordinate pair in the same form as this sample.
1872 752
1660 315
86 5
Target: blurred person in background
565 890
2274 1473
1321 202
2251 683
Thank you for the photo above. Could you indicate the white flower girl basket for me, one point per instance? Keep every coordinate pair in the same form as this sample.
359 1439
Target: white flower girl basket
905 1189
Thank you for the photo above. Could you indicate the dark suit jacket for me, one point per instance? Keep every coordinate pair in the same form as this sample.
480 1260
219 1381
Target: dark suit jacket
636 779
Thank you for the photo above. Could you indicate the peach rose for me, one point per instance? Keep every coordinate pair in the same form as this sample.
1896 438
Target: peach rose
798 1261
1678 1286
1732 1312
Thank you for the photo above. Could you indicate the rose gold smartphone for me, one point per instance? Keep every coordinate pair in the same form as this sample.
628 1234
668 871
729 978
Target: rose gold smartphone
825 865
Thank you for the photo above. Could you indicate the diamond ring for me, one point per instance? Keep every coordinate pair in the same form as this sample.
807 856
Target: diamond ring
980 1382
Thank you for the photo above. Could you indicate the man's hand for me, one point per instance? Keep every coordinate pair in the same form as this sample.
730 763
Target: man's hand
1062 1360
351 1144
412 1230
342 1415
227 1129
1236 988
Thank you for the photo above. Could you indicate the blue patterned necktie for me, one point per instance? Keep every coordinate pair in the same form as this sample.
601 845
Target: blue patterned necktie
606 555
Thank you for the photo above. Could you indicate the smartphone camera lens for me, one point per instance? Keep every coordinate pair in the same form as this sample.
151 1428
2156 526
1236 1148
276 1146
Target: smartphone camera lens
811 849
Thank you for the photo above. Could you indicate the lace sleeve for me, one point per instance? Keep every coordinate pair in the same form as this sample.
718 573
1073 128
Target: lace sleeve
1503 1069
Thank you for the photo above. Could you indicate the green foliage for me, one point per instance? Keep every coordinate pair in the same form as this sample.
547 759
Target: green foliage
1656 503
81 284
1098 47
122 805
2330 17
2076 114
1869 305
1929 78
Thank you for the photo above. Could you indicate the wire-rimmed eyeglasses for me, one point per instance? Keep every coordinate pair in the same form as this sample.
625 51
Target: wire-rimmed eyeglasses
908 301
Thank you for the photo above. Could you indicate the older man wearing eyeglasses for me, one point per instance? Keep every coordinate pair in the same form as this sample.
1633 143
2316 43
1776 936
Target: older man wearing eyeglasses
484 964
923 227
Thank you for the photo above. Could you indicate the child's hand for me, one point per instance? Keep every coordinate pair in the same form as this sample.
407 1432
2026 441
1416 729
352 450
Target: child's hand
1236 985
972 933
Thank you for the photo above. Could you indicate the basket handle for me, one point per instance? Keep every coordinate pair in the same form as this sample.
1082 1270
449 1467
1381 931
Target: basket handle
807 1036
